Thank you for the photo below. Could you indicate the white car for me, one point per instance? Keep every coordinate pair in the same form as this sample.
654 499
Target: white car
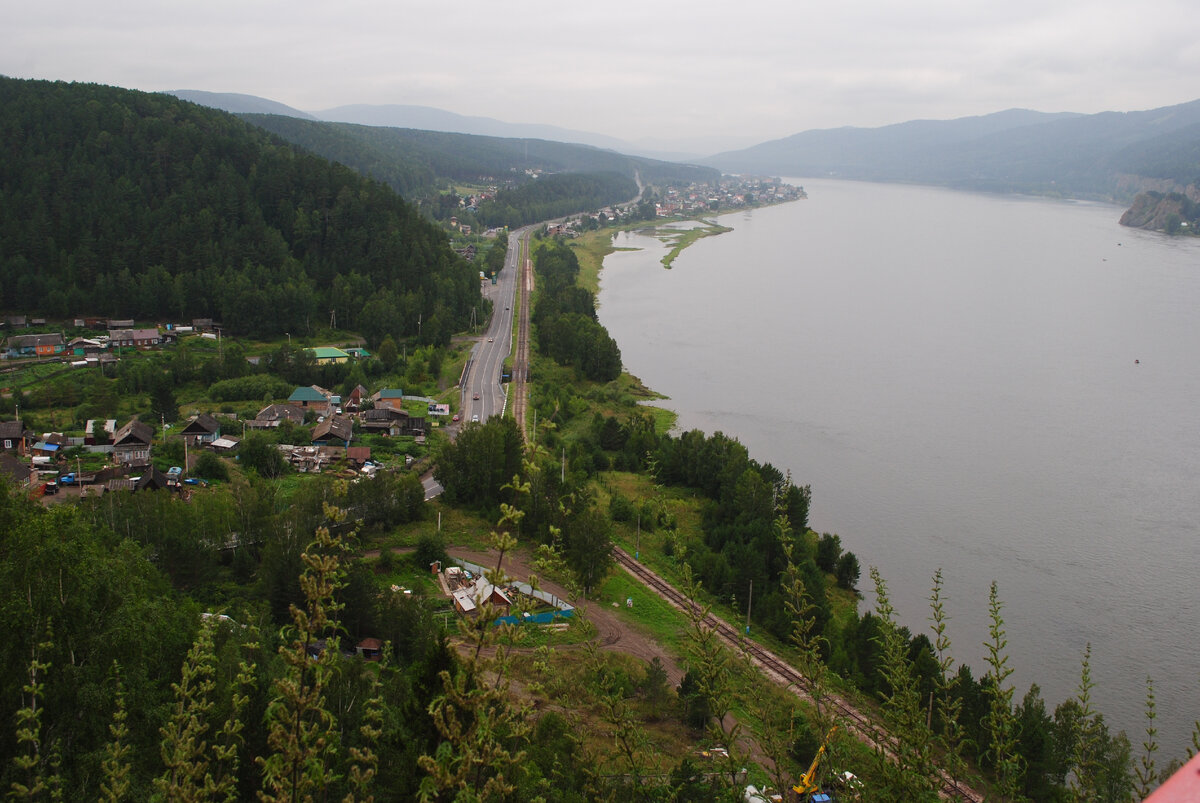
475 418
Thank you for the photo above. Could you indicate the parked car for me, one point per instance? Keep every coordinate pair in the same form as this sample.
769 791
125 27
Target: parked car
50 488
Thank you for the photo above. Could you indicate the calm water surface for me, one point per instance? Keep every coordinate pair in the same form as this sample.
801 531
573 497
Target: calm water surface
955 376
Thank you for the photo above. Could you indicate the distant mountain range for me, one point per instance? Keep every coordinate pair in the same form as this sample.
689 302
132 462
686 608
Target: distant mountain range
427 118
1110 156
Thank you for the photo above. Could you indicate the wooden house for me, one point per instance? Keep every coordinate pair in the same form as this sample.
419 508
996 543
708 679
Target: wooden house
131 444
201 430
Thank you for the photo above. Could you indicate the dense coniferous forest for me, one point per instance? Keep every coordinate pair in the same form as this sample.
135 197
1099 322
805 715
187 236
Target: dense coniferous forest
126 204
565 317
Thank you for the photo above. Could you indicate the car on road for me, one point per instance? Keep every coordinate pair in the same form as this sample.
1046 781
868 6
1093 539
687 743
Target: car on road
490 339
476 396
455 418
475 418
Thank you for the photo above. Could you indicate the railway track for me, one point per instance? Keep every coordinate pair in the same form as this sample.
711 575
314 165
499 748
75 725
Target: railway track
520 368
864 728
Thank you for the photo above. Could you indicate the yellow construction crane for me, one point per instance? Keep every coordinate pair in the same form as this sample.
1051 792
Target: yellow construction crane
807 785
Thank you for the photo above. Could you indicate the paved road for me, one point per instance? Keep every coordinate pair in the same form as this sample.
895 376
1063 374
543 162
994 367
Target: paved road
482 393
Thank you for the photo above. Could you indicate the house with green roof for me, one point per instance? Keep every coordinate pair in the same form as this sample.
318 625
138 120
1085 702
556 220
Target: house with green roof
392 398
309 398
327 355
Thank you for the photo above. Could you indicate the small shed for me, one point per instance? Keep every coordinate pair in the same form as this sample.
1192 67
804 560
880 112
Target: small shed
370 649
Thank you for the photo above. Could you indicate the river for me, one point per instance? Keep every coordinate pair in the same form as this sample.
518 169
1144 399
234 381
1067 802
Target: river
1003 387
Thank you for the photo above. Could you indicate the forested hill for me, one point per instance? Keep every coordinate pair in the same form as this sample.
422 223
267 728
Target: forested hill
413 162
135 205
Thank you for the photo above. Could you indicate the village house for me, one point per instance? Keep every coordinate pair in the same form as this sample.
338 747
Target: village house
391 398
382 421
153 480
51 444
392 422
273 415
328 355
86 347
134 338
14 437
95 431
311 398
201 429
21 475
131 444
46 345
358 456
355 399
333 431
470 598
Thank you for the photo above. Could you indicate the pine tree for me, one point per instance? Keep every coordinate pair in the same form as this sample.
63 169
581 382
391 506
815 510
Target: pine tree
908 773
1146 772
183 749
951 736
302 733
364 760
711 663
1000 721
115 765
31 763
223 784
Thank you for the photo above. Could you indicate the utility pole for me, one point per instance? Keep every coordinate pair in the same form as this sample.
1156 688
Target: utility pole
749 600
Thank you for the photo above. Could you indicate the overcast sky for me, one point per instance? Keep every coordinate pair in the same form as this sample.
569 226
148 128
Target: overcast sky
744 70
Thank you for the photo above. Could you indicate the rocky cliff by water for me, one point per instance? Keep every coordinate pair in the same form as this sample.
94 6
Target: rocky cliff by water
1172 212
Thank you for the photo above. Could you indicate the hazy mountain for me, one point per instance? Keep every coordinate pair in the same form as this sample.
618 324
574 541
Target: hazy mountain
412 160
428 118
237 103
1016 151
